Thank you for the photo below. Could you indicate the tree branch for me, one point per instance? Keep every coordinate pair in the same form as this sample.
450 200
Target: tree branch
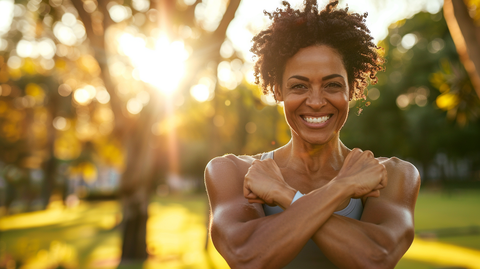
221 30
466 37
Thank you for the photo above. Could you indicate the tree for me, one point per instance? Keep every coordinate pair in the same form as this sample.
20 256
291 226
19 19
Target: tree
83 65
136 183
423 106
463 17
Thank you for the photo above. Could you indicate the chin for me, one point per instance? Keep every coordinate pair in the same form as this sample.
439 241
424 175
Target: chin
316 140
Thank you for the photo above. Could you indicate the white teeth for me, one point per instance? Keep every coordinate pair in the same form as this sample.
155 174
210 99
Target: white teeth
316 120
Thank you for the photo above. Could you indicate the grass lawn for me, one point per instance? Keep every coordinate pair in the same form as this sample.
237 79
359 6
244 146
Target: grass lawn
87 236
446 217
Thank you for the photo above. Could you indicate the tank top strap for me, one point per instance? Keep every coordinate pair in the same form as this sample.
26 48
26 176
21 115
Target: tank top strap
267 155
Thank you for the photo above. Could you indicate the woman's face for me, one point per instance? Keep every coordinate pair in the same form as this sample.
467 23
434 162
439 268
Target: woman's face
315 93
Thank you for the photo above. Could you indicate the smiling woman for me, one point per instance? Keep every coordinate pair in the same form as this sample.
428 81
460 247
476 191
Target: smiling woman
313 203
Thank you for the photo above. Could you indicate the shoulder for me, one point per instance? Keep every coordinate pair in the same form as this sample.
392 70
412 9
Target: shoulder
399 168
403 180
224 177
397 200
228 163
226 173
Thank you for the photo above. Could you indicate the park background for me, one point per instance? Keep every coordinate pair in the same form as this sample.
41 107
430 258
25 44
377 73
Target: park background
110 111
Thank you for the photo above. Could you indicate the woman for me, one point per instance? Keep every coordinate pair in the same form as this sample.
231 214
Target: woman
313 203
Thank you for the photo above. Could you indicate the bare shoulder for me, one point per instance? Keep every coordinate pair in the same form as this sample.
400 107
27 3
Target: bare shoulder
403 180
224 177
399 168
396 203
230 164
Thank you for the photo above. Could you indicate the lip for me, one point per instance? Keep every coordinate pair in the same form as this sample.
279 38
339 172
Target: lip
316 115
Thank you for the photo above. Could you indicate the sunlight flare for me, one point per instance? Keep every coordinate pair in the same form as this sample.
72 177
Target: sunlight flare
163 67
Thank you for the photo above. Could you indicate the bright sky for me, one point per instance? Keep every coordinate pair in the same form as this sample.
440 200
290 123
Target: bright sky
382 13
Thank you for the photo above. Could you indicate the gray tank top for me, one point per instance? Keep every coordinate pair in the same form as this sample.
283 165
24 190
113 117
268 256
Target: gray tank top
311 256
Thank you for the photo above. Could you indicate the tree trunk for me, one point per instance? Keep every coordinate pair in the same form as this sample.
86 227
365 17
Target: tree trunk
466 36
135 216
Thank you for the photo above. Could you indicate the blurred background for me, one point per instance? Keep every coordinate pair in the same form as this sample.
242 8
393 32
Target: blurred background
111 109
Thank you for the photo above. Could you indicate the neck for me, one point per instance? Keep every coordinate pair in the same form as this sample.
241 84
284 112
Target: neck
304 157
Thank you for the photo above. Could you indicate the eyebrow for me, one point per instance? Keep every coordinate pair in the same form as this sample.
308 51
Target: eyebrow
323 79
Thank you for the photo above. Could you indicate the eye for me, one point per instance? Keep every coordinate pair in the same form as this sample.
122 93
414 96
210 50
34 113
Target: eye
298 86
334 85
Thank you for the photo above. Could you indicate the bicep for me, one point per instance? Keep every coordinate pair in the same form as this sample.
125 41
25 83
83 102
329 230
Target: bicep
393 211
229 209
382 235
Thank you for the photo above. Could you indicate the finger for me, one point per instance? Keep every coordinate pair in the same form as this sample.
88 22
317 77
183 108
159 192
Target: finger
256 201
246 188
368 153
251 195
384 180
375 193
353 154
378 187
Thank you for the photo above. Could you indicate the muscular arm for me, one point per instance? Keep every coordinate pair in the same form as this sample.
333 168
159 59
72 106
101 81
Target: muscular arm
241 233
385 230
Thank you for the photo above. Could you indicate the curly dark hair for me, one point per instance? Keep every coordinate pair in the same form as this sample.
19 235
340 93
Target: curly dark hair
293 30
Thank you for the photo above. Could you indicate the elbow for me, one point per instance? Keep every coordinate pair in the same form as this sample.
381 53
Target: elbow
378 259
387 255
382 257
245 258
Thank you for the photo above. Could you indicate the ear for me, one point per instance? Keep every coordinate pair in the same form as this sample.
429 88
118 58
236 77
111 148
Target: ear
277 93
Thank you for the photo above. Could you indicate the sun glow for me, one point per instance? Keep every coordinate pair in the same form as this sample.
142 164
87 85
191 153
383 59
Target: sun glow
163 67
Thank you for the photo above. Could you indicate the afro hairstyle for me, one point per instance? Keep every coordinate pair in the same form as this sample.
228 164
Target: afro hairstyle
292 30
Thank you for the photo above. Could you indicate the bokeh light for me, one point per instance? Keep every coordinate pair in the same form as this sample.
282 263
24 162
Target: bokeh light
409 40
102 95
82 96
402 101
119 13
64 90
373 93
134 106
200 92
61 123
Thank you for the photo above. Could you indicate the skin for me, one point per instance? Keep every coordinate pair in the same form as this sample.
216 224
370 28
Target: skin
315 162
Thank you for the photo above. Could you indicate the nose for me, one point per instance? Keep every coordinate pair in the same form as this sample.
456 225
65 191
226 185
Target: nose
316 99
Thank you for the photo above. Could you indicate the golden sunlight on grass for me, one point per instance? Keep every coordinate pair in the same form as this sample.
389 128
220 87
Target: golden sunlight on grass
88 236
443 254
39 218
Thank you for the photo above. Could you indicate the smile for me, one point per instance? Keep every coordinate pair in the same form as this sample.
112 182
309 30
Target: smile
316 119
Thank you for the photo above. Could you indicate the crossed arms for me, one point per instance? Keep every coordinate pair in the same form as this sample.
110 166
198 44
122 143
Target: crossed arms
247 239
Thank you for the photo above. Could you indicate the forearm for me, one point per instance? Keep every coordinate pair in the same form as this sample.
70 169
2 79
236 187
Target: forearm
273 241
350 243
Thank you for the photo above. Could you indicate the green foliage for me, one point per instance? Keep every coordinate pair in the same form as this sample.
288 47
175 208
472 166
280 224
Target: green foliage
405 121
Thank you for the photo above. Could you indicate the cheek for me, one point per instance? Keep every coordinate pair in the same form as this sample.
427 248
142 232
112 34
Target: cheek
341 100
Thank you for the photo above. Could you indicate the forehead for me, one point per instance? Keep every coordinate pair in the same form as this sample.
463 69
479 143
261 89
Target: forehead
318 60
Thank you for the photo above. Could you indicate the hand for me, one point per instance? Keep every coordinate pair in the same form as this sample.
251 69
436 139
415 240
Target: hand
264 184
364 175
